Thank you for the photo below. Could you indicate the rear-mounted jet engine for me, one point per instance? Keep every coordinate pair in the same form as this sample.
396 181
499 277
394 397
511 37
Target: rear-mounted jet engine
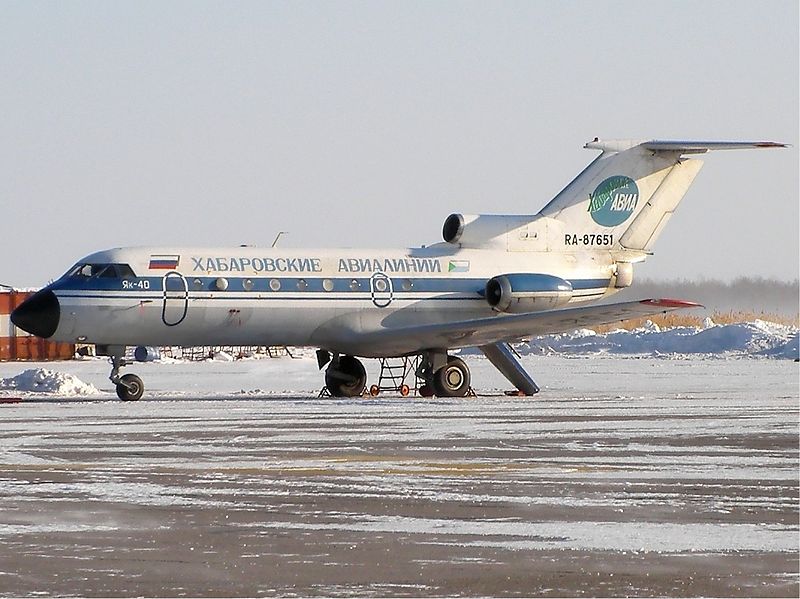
527 292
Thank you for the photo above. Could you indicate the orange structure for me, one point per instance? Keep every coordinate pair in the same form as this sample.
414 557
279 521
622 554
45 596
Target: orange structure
16 344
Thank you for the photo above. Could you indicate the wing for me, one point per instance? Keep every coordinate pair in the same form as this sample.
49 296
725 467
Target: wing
483 331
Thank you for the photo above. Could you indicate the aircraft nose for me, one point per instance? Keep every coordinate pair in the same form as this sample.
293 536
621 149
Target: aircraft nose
39 314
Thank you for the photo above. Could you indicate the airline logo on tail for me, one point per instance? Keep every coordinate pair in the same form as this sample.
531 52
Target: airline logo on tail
613 201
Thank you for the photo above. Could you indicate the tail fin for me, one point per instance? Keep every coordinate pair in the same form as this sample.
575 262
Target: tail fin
631 190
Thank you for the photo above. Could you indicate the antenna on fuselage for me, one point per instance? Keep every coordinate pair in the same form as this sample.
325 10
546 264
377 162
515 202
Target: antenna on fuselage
277 237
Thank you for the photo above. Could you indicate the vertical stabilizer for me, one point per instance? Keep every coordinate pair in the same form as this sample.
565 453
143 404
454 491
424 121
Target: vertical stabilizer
648 223
625 197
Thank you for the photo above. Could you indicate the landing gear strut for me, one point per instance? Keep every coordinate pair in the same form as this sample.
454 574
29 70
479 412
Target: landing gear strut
505 359
129 386
345 377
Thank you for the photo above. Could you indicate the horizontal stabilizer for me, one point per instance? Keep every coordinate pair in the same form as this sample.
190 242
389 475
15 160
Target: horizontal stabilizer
699 147
682 146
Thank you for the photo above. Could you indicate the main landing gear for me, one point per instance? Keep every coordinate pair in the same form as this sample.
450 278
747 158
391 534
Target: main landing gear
129 386
345 376
444 376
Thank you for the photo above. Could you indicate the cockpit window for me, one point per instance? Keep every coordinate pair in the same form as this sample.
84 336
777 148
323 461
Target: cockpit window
101 271
107 272
125 272
84 271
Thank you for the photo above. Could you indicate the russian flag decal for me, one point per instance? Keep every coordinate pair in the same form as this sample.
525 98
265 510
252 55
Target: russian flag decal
164 262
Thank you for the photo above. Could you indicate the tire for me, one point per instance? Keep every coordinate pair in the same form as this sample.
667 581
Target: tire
405 390
453 379
425 390
348 379
130 387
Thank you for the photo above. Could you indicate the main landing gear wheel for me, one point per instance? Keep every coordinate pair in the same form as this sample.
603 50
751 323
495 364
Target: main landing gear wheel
130 387
452 380
346 377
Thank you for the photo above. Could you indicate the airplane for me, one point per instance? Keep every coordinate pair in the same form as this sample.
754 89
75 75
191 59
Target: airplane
492 280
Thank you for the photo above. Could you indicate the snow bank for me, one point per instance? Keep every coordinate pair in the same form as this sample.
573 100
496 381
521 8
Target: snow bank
787 351
41 380
757 338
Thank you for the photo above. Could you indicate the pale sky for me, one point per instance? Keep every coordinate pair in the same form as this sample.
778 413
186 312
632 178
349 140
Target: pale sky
364 124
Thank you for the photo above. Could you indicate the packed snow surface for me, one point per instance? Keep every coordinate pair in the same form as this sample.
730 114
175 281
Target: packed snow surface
669 476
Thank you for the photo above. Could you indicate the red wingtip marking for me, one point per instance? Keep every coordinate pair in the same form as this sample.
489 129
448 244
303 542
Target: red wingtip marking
671 303
769 144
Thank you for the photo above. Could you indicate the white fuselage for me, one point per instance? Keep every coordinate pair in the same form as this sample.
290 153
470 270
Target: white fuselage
318 298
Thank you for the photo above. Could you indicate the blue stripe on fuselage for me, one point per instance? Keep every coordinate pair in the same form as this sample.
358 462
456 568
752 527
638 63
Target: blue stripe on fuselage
400 285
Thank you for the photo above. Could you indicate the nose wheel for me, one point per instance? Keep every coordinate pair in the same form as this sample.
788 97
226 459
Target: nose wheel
129 386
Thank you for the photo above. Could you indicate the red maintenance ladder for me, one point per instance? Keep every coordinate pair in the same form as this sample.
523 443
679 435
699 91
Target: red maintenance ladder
394 376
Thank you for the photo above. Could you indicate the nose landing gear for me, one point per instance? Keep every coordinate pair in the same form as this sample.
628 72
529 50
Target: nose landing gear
129 386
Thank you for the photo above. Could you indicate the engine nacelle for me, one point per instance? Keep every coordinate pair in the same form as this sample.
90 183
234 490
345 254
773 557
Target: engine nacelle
624 275
527 292
481 230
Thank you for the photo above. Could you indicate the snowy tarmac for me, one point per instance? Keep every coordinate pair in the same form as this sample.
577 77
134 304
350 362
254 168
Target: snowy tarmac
625 476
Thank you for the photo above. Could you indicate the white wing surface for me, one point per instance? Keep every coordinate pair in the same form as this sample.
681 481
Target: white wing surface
484 331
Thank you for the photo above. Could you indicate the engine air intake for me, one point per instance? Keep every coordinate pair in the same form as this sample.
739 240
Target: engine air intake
453 228
527 292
